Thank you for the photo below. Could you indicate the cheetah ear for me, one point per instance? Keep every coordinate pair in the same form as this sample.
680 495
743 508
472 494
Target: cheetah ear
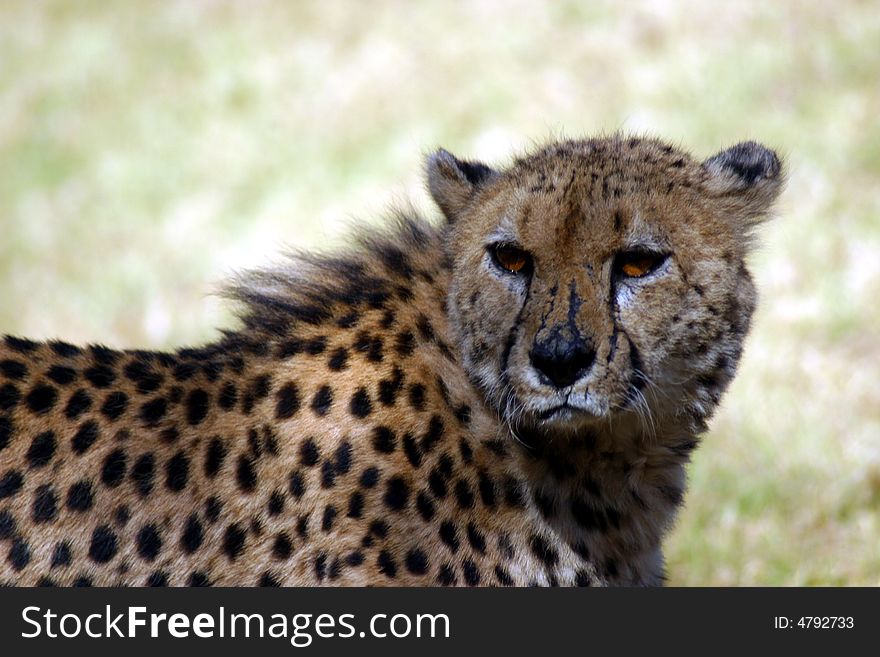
746 179
452 182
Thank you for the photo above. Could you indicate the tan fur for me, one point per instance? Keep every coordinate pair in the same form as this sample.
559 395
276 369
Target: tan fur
377 419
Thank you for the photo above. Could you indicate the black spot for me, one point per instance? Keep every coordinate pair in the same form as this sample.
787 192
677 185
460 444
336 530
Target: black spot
213 507
386 564
416 562
405 343
6 431
122 515
196 406
79 402
287 401
103 355
297 484
355 558
80 497
582 578
41 450
467 454
19 554
214 457
100 376
328 518
7 525
417 396
449 536
62 555
115 405
388 388
446 576
476 538
338 359
463 414
383 440
342 458
153 411
142 374
113 471
316 346
412 451
328 475
64 349
85 437
184 371
302 526
13 369
198 578
276 503
512 493
9 397
193 535
379 528
321 567
282 548
322 401
360 405
289 348
369 477
228 396
487 490
471 573
269 580
45 508
433 434
157 579
503 576
425 506
170 435
104 544
233 541
149 543
177 472
544 551
308 453
245 474
464 495
437 483
22 345
142 474
396 494
41 399
356 505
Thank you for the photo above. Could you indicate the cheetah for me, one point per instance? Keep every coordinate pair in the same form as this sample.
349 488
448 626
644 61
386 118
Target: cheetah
508 395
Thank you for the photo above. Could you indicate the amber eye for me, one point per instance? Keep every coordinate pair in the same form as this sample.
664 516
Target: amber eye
510 258
636 264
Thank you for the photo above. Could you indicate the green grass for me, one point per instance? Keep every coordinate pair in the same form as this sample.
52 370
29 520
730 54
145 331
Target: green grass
149 149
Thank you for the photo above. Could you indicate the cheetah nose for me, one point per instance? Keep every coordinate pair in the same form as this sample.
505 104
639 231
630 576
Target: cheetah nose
562 362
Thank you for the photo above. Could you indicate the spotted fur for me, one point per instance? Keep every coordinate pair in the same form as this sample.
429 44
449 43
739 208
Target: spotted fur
378 418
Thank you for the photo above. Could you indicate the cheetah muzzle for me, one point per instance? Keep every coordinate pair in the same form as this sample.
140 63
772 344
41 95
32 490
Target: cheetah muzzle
507 397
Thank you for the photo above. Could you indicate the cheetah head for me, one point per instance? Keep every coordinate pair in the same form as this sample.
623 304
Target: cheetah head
603 277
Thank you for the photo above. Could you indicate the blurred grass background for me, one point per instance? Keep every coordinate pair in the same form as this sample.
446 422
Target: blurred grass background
147 149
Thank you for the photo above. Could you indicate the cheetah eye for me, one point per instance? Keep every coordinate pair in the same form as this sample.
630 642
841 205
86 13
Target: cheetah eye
638 264
510 258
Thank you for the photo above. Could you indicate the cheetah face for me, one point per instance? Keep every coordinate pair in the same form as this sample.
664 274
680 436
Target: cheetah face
604 277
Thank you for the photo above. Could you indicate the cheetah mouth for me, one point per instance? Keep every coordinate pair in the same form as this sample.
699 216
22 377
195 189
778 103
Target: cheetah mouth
564 413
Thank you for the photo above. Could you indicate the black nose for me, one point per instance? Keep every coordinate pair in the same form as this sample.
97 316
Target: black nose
562 361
